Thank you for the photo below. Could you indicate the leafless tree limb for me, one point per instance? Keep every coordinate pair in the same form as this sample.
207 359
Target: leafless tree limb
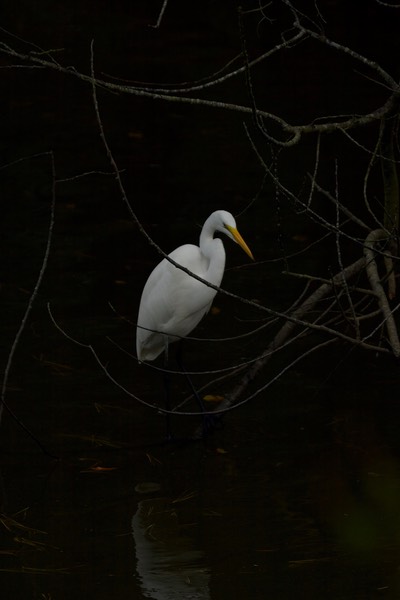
373 275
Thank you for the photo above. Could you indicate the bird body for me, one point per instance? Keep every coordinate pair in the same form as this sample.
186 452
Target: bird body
173 302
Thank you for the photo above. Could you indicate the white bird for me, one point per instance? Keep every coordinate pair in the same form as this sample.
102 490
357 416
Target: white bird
173 302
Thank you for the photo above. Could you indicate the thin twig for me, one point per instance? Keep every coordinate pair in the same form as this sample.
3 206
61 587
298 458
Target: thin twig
160 16
4 404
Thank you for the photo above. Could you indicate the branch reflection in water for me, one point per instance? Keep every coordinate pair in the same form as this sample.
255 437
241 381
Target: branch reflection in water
168 565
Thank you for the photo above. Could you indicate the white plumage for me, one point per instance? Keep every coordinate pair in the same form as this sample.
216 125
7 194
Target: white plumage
172 301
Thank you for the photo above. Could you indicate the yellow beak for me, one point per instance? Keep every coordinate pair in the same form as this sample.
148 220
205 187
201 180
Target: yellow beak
240 240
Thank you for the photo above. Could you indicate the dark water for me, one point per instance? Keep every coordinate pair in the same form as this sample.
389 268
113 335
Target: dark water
297 495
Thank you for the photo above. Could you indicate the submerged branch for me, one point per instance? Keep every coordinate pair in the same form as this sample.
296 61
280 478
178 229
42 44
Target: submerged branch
287 329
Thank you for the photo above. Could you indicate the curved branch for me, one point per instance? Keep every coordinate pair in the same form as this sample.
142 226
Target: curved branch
373 275
293 132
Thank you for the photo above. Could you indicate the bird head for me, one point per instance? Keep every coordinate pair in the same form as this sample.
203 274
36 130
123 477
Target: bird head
228 226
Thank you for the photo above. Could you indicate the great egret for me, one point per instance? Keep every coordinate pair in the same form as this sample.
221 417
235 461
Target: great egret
172 301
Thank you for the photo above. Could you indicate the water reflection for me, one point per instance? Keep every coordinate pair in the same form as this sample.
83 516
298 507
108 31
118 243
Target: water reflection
169 565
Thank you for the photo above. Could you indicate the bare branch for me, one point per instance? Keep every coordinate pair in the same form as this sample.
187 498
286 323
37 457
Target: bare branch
293 133
372 271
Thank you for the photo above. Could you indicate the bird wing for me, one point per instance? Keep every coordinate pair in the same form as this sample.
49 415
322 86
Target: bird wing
172 301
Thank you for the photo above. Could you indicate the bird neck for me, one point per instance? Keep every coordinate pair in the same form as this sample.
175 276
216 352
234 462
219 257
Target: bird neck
213 251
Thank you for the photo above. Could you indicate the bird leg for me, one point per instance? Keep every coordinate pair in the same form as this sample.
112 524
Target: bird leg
167 387
207 419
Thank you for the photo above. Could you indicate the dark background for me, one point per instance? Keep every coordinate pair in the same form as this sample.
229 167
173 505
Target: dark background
298 494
